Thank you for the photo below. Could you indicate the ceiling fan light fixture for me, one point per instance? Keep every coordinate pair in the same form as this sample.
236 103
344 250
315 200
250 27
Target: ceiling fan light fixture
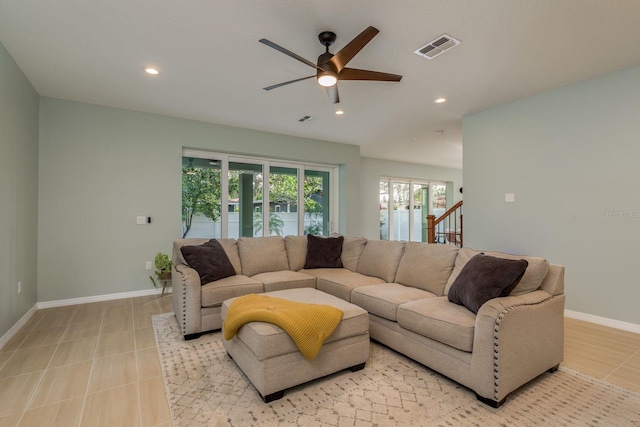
327 78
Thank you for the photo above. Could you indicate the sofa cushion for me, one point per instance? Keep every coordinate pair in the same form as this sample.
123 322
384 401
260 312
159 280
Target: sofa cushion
351 251
533 276
485 277
532 279
209 260
285 279
262 254
214 293
296 248
341 284
230 247
380 258
323 252
440 320
317 272
464 255
383 300
426 266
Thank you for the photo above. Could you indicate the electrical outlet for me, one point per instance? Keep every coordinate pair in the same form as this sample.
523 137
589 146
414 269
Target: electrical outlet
19 287
148 265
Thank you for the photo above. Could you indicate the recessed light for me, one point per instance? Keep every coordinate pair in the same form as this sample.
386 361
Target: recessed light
440 100
339 112
411 139
152 71
439 132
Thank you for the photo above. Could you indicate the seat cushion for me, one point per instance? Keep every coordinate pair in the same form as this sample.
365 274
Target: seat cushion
440 320
426 266
266 340
341 284
285 279
383 299
317 272
214 293
262 254
380 258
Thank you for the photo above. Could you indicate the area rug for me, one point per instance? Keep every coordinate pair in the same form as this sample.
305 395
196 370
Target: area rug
206 388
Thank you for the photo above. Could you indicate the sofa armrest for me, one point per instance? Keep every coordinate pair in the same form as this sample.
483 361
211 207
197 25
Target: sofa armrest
516 339
186 299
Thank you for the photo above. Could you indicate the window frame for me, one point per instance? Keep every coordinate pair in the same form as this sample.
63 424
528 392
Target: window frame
411 182
267 163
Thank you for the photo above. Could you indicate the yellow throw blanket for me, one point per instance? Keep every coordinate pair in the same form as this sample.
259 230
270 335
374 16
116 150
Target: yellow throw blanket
308 325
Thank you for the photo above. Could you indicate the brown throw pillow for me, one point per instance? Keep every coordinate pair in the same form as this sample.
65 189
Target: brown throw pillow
485 277
323 252
209 260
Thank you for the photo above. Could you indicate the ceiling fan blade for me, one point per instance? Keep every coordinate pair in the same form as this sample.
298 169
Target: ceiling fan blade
356 74
332 91
347 53
287 83
289 53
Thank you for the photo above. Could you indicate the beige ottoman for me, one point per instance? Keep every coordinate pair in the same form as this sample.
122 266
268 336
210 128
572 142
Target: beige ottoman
272 362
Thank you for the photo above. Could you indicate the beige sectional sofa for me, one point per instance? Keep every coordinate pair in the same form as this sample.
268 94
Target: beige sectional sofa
404 287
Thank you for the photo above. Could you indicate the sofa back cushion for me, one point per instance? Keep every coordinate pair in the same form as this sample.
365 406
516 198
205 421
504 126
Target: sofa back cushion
352 251
230 246
427 267
262 254
296 248
380 258
533 275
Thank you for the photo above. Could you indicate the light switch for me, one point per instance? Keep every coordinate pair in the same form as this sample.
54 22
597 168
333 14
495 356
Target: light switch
141 220
509 197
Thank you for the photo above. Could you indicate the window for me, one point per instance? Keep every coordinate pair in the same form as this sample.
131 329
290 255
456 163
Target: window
295 198
404 206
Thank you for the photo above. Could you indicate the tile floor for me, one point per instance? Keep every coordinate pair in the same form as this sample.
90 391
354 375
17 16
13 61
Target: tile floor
90 365
97 364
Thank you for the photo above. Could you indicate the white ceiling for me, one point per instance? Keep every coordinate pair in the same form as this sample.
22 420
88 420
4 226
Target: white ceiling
213 69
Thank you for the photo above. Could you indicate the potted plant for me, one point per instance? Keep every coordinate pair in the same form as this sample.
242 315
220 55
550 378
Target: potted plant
163 268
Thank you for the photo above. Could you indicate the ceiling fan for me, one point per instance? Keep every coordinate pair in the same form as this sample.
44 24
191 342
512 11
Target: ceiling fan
331 68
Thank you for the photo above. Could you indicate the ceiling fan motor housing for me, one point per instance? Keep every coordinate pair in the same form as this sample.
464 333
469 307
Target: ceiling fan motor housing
327 38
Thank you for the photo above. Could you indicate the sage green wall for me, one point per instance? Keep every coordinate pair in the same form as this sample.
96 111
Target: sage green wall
570 156
18 192
100 167
371 170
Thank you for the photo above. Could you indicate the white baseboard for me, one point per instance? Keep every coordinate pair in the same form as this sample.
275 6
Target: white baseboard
98 298
612 323
19 324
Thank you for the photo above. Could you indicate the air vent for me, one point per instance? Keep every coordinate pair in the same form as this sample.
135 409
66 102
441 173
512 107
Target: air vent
305 119
438 46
